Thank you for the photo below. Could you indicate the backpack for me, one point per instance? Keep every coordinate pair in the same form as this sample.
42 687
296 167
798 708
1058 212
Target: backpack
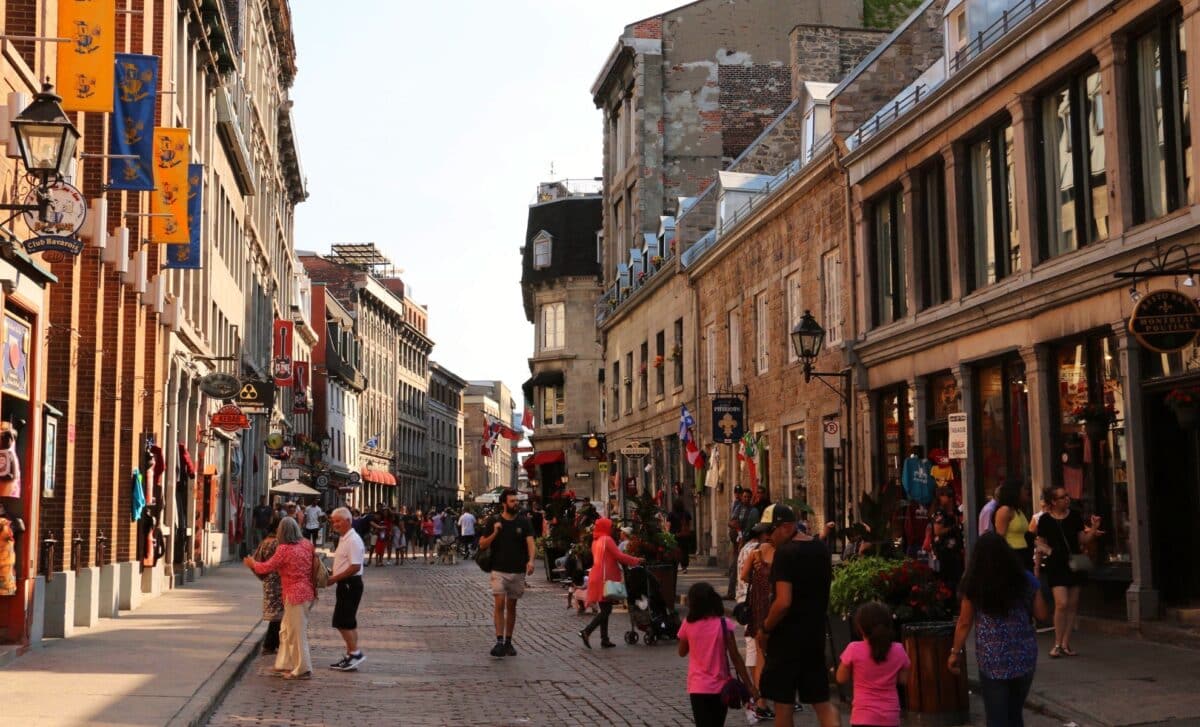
320 574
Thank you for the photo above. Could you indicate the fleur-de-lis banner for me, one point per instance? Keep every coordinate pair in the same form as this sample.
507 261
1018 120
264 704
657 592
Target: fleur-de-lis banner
131 129
187 257
172 148
85 79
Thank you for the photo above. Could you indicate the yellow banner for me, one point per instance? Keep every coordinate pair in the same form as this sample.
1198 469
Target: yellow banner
86 64
172 149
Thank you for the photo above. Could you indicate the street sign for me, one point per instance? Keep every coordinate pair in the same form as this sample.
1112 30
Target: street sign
832 433
957 444
354 478
230 418
220 385
1165 321
635 449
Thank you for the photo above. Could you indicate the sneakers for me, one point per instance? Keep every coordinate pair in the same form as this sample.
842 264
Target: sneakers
349 662
498 650
751 716
764 713
509 650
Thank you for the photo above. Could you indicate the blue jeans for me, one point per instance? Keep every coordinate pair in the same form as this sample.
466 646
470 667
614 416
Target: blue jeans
1004 700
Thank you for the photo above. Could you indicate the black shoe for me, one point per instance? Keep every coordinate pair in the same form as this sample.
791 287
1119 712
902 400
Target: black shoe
584 635
509 650
606 644
498 650
341 663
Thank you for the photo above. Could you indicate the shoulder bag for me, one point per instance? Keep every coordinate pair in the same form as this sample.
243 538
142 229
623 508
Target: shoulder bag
613 590
734 694
483 559
320 574
1077 562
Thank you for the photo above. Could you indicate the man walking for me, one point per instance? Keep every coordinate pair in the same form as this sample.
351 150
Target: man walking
312 521
743 515
347 576
795 626
466 532
511 537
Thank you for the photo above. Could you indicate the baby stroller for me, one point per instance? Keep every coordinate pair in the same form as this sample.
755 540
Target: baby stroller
648 612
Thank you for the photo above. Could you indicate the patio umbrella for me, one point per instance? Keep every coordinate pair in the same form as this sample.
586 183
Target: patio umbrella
295 487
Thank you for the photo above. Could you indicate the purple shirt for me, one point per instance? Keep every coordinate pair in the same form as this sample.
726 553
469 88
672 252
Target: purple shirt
986 514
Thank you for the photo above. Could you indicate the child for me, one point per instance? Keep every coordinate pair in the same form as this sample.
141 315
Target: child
399 542
876 664
706 638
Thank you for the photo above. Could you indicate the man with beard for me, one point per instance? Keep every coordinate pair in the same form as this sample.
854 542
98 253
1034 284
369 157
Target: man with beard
511 538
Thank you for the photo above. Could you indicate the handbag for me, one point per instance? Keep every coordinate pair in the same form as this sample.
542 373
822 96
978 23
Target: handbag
613 590
734 694
741 612
1077 562
483 559
320 574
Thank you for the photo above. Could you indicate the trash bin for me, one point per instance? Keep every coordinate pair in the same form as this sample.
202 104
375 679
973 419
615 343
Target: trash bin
935 696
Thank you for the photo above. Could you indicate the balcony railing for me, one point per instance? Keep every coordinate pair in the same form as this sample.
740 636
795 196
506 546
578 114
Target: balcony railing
889 113
616 294
1010 19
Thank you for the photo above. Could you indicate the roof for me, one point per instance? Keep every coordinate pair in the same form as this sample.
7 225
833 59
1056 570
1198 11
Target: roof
739 182
572 223
879 49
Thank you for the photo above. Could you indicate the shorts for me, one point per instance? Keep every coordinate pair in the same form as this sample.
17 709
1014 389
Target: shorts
509 585
752 655
804 680
345 610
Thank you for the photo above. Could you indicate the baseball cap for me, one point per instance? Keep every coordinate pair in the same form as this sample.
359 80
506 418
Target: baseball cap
778 515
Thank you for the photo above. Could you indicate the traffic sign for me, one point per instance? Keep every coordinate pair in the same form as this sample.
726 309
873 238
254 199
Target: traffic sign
635 449
230 418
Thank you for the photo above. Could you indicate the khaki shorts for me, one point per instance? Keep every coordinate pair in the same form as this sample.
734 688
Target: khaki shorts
509 585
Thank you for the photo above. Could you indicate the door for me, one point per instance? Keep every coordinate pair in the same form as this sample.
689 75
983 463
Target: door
1173 459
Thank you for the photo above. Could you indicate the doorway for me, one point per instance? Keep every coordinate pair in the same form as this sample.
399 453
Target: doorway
1173 460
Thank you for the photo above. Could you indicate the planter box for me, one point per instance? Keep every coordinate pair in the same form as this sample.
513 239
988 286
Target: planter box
667 576
935 696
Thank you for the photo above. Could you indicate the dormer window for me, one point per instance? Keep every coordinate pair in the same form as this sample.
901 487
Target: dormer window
541 250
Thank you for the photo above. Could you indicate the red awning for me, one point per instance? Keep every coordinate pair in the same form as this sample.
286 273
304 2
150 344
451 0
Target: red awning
549 456
379 477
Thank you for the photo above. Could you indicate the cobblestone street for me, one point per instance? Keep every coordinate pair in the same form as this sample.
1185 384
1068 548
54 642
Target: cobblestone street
426 630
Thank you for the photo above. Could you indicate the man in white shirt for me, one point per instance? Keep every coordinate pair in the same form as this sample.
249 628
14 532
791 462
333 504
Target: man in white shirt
347 575
466 531
312 521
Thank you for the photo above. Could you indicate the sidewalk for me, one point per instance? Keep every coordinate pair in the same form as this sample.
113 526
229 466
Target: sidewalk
1116 681
165 663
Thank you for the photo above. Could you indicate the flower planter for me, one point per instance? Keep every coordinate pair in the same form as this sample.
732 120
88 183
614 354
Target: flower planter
1187 416
935 695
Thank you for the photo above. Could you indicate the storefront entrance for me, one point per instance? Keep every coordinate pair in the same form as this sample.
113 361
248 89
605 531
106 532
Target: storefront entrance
1173 459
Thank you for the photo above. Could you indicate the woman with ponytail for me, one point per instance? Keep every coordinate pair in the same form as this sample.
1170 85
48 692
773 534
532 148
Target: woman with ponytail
875 665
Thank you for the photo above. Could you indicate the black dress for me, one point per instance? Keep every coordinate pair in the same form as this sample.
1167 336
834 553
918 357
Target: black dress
1063 538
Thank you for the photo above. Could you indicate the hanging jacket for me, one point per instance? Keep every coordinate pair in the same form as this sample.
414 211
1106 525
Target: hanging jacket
918 484
139 495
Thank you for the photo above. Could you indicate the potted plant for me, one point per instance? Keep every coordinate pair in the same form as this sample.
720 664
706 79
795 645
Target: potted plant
677 352
641 276
1185 402
657 546
612 302
1095 418
658 362
642 369
656 260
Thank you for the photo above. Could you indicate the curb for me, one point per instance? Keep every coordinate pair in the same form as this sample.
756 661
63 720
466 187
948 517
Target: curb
208 695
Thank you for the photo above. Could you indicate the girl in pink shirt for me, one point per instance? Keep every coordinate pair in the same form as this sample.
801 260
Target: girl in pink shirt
706 639
876 665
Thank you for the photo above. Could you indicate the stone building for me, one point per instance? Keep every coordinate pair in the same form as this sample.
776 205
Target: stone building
337 382
484 402
560 280
1043 149
412 431
446 441
683 94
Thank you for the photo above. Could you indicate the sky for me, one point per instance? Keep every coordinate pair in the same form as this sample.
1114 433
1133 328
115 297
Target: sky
426 127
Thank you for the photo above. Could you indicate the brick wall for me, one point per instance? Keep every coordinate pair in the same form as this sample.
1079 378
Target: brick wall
897 66
752 96
650 28
21 19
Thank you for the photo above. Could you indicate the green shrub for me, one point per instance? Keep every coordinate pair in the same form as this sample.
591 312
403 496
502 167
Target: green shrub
887 14
858 581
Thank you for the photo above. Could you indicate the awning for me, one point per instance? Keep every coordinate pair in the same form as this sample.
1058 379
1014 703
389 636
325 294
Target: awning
541 378
379 477
549 456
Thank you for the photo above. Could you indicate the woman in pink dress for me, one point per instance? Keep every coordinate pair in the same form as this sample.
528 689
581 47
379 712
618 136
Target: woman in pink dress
293 561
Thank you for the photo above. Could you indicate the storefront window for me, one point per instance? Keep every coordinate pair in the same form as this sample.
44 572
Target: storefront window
798 464
1091 455
944 399
895 433
1002 408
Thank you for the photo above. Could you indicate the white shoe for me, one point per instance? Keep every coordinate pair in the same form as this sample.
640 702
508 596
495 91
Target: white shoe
751 717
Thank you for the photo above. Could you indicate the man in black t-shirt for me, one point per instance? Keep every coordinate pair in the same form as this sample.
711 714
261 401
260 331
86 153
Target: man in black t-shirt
795 626
510 537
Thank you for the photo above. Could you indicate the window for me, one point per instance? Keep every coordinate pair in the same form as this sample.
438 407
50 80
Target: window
553 326
1072 148
994 250
616 390
660 363
677 352
1002 424
887 247
930 245
795 311
554 405
831 308
642 373
629 383
541 250
710 358
735 351
1162 118
762 338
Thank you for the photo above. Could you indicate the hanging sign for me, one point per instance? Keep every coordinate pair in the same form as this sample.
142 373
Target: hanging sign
957 443
256 397
172 148
1165 321
300 387
230 418
220 385
281 338
728 418
635 449
831 430
85 64
131 129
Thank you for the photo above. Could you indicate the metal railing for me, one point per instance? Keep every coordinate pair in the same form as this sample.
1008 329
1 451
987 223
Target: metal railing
1010 19
886 115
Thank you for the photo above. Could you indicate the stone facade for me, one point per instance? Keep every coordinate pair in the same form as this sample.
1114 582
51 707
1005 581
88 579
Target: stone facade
446 422
484 399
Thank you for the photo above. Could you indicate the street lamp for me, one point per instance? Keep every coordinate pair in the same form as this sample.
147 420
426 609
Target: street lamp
46 139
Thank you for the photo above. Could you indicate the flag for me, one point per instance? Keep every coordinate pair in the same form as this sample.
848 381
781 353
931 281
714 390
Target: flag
695 457
172 149
527 418
85 65
748 453
187 257
373 442
491 431
497 427
685 423
131 129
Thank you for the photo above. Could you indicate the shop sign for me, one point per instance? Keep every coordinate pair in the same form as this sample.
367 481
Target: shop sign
355 478
957 443
66 212
603 467
322 482
281 339
728 418
220 385
256 397
583 475
635 449
16 345
287 474
1165 321
230 418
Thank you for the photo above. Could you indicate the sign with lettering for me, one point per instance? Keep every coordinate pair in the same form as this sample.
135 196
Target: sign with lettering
1165 321
635 449
230 418
957 444
728 418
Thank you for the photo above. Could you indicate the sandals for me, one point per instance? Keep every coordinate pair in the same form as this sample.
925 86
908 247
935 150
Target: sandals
1056 652
298 677
1066 650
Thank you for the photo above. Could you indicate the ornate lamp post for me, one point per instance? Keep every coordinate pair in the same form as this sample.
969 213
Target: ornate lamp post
46 139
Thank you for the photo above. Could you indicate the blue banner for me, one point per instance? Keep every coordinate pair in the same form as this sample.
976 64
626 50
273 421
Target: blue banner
131 129
187 257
